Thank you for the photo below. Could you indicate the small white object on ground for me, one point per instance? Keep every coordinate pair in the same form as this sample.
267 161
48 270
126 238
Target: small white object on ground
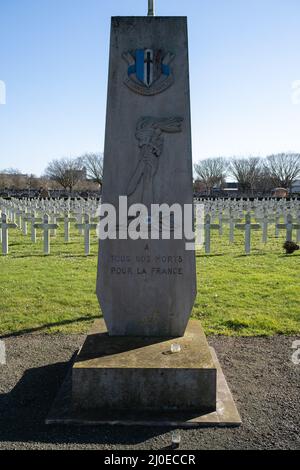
176 438
175 348
2 353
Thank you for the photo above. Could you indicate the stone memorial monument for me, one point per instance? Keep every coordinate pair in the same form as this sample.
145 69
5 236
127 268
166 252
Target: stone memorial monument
147 287
146 362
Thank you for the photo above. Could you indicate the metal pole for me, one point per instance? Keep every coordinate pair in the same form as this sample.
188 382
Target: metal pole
151 8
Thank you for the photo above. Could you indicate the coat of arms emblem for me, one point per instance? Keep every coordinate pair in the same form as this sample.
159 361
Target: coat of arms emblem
149 71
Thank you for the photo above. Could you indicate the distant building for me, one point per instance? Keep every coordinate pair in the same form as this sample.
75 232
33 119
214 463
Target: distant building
279 192
295 189
228 189
231 188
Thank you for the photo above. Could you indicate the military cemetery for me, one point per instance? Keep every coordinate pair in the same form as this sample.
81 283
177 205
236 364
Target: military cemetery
146 306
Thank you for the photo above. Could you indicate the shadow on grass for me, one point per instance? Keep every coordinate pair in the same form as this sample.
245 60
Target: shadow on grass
27 331
65 255
285 255
24 409
29 255
203 255
52 255
250 255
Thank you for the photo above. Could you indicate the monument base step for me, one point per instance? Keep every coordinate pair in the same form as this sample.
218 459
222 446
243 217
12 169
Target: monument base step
141 373
97 365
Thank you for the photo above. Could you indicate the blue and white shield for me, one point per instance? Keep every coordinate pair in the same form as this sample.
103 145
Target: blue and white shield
148 71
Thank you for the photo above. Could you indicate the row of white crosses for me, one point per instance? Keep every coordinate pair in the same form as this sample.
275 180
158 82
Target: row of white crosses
247 227
16 209
32 211
264 212
20 213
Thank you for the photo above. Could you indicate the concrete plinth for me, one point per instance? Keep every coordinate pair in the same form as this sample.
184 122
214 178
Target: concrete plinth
226 414
141 373
72 405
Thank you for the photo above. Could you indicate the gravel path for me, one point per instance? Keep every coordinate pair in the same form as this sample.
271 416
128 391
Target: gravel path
263 380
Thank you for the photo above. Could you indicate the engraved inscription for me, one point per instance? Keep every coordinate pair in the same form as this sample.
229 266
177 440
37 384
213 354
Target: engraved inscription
147 265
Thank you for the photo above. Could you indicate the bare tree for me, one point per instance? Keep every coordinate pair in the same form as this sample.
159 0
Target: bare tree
246 171
11 171
3 181
284 168
93 162
33 182
264 183
211 172
66 171
13 178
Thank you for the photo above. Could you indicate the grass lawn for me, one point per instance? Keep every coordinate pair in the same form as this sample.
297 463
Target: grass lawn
237 295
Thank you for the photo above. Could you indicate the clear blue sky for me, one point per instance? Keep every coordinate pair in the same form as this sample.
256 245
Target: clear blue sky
244 57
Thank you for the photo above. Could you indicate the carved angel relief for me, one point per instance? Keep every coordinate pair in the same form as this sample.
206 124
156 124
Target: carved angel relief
150 135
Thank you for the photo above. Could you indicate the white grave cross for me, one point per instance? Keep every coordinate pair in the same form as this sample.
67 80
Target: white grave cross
247 226
66 219
208 226
4 225
45 226
87 227
289 226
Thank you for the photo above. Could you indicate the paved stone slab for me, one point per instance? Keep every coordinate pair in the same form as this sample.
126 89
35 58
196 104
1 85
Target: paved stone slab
225 414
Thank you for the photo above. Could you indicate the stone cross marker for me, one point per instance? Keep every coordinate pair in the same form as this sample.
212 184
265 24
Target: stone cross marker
46 227
4 225
208 226
24 222
18 213
86 226
33 220
298 229
289 227
147 287
247 227
66 219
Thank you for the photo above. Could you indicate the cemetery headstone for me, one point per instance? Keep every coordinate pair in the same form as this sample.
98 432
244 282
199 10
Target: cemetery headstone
4 226
247 227
66 219
24 222
32 219
289 226
208 226
86 226
46 226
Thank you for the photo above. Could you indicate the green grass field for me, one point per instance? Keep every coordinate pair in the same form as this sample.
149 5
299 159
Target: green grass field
237 295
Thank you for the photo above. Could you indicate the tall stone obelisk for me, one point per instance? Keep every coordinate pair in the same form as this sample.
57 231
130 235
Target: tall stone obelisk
147 287
127 371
